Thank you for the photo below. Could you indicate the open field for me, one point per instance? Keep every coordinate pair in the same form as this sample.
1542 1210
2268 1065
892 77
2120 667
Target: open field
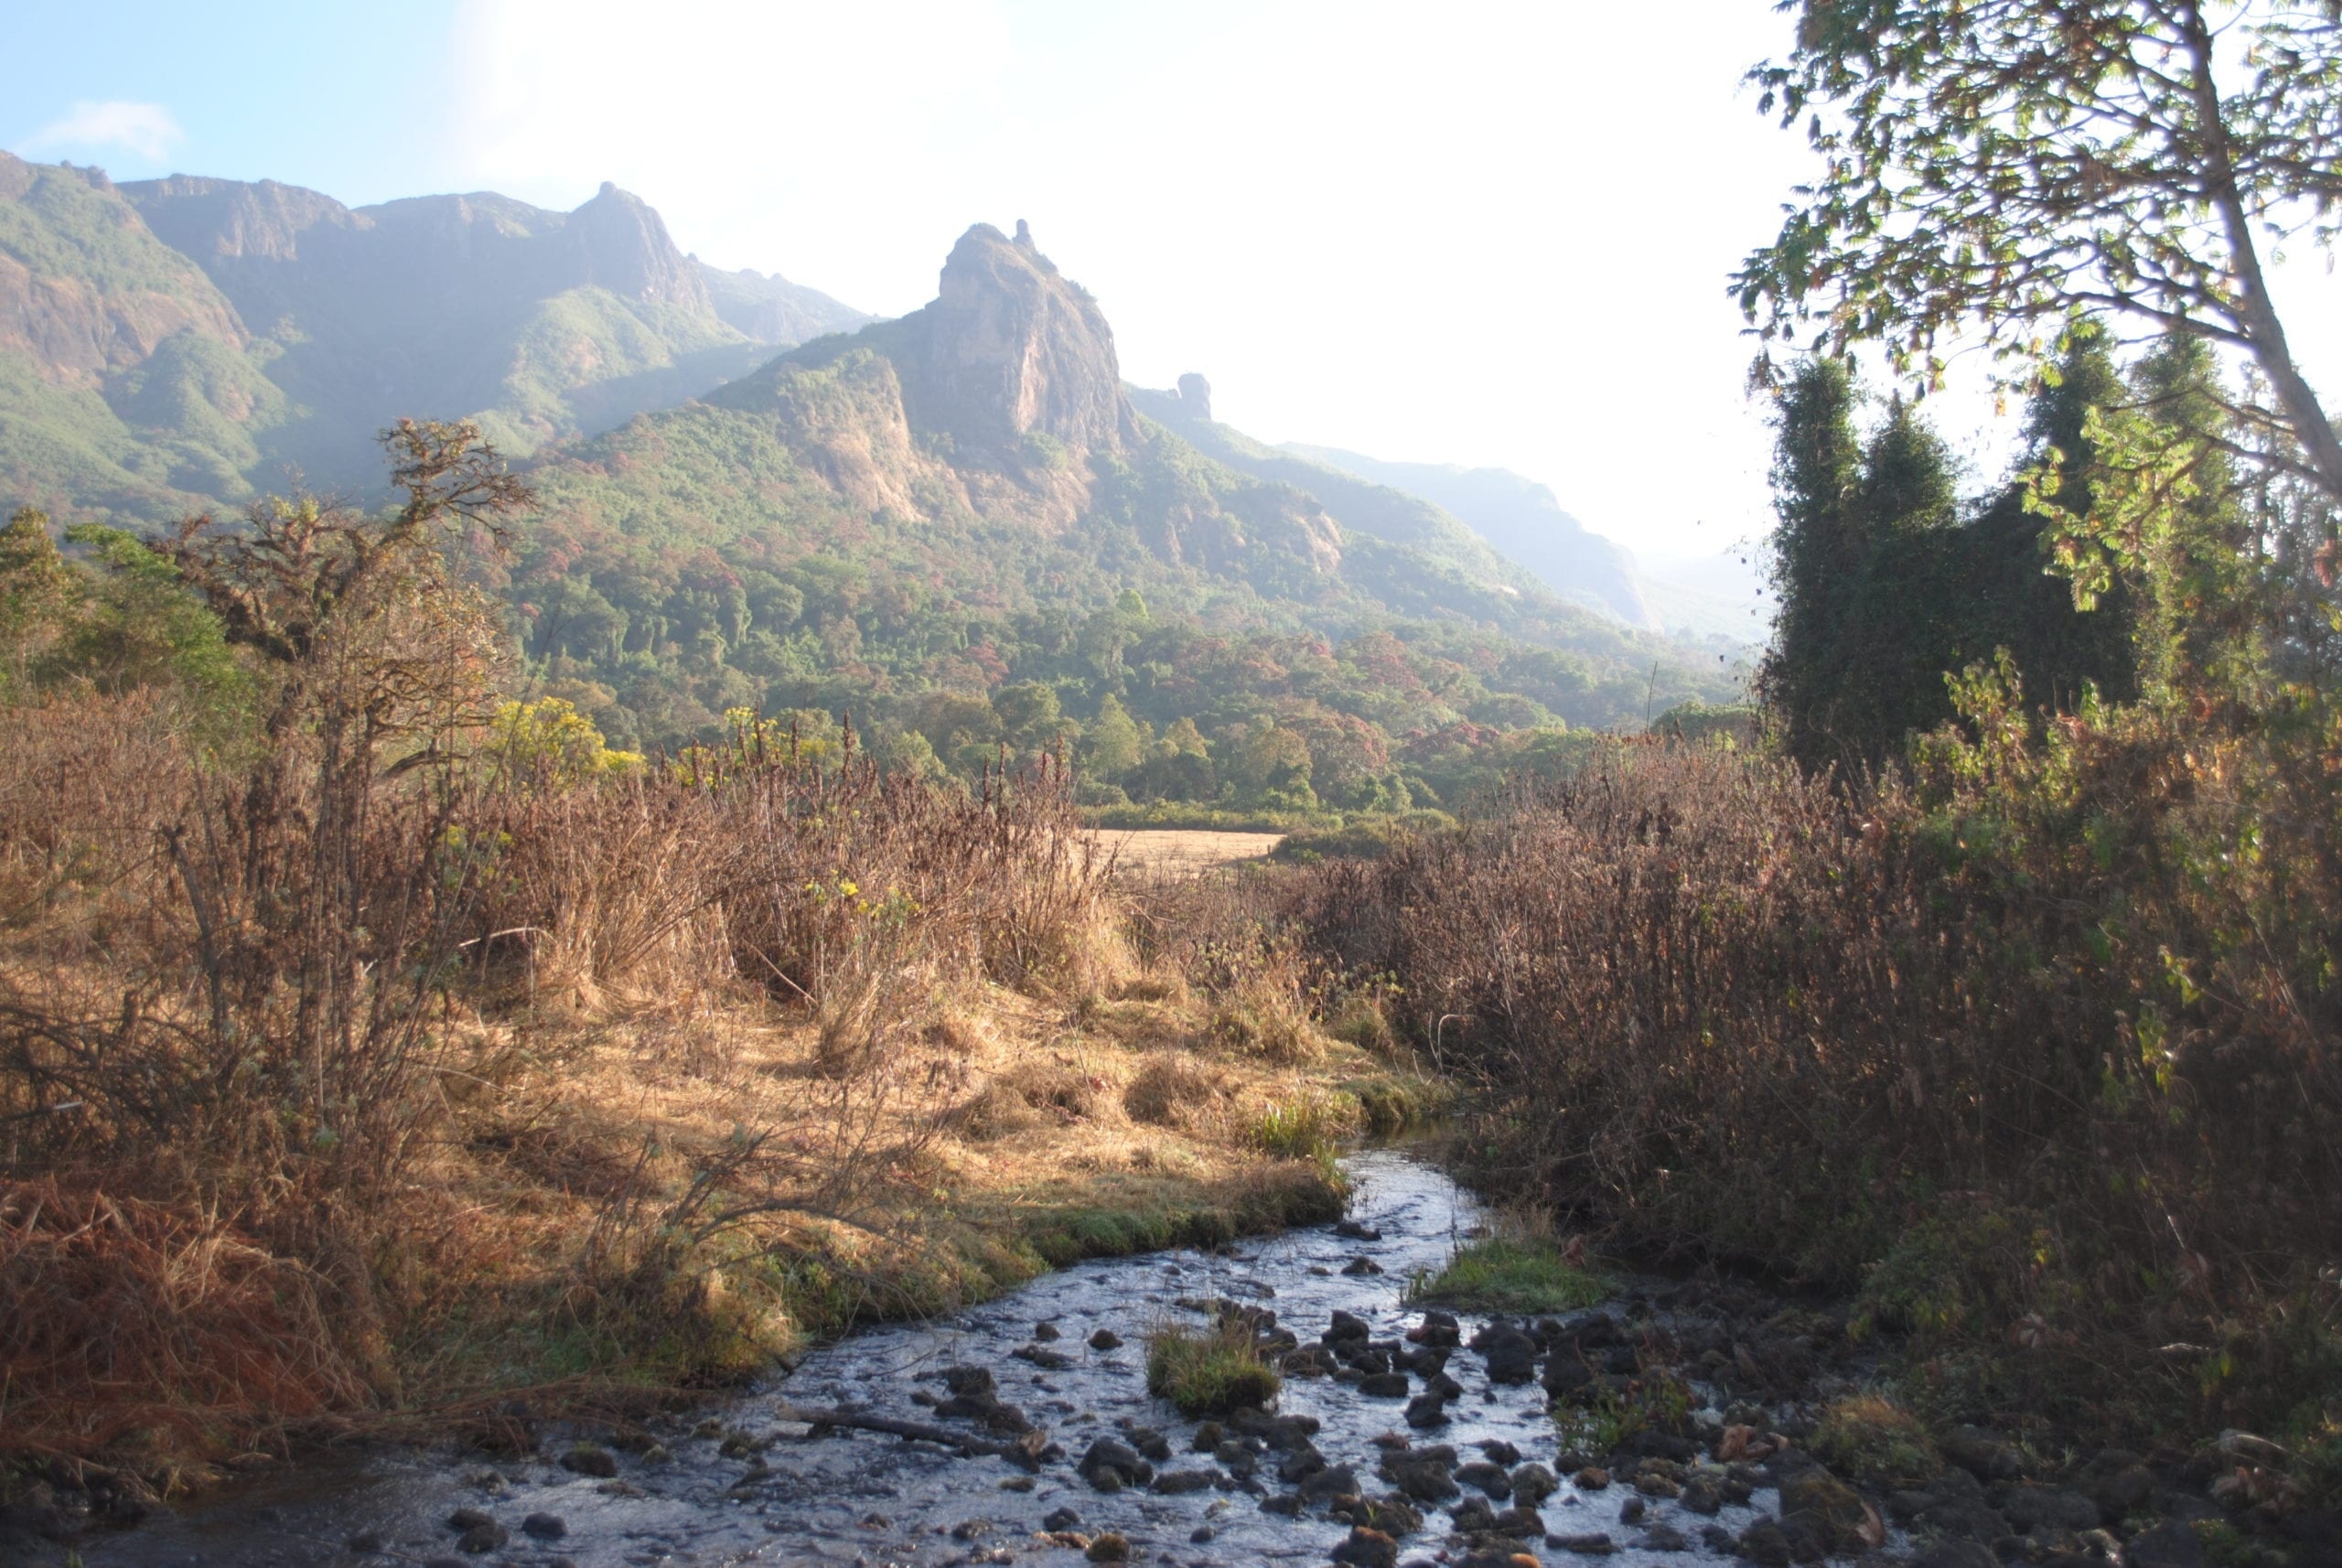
1180 852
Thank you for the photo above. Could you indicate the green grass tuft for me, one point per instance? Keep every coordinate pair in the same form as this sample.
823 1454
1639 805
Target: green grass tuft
1210 1371
1510 1274
1876 1443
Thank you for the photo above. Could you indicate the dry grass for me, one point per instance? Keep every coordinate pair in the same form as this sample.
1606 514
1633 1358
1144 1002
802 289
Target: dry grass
678 1068
1179 852
1175 1091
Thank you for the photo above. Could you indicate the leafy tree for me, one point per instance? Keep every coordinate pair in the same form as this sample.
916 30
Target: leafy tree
1885 589
1271 760
1029 712
1818 550
1114 744
362 622
2008 164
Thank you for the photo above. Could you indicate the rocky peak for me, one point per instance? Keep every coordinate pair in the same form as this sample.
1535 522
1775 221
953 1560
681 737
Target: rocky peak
624 247
1010 348
1194 396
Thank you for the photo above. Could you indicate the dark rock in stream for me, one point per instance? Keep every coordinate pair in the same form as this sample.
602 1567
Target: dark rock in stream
482 1538
1426 1411
1351 1231
1490 1479
1359 1266
585 1459
1108 1458
1365 1548
545 1526
1423 1479
1384 1385
1438 1330
1105 1339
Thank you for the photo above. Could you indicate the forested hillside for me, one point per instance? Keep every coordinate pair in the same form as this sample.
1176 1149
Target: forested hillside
959 526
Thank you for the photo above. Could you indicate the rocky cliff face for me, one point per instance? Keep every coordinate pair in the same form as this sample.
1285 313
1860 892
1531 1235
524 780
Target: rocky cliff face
1003 399
86 292
1010 348
422 254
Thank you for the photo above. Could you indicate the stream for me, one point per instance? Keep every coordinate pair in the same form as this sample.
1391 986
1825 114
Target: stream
783 1494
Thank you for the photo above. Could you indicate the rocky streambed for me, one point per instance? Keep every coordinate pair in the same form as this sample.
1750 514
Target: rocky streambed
1399 1436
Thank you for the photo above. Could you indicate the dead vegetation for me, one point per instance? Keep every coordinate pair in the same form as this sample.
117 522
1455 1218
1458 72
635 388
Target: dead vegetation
351 1071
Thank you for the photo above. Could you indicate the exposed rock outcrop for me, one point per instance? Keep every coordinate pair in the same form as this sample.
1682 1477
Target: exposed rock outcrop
1009 349
120 293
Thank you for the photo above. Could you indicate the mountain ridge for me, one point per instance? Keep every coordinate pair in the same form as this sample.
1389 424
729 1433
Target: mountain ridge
175 344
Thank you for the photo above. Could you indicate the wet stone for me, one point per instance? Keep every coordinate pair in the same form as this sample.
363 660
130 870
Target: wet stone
587 1460
1499 1452
1352 1231
482 1538
1490 1479
470 1518
1384 1385
1362 1266
1287 1503
1592 1543
545 1526
1522 1524
1045 1332
1426 1411
1532 1483
1631 1511
1105 1339
1426 1481
1060 1518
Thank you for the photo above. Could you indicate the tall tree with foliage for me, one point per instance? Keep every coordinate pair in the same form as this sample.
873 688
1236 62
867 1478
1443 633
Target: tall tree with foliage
2006 165
1885 588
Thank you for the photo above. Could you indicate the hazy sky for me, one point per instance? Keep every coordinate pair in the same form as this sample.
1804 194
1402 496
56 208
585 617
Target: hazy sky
1470 233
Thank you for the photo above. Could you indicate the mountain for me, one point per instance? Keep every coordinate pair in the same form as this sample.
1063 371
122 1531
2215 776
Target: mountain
962 497
1380 510
1520 519
177 343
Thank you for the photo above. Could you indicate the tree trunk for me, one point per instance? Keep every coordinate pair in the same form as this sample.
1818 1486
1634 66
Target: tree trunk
2260 323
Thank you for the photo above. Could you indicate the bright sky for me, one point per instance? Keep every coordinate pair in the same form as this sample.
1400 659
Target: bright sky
1478 233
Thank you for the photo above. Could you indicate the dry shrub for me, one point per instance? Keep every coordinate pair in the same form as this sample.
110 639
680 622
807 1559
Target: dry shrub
2024 1052
151 1325
270 980
1174 1091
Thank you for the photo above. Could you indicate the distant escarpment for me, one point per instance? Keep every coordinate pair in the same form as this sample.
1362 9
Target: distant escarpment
175 343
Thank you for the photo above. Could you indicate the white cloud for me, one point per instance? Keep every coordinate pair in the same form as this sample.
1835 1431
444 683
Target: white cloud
147 129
